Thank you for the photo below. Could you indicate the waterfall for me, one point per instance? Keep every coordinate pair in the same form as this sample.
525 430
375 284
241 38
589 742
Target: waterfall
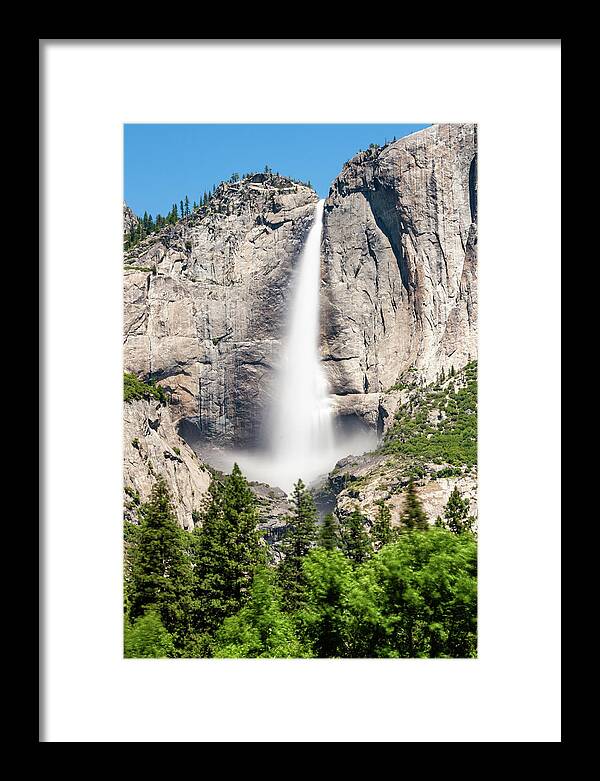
300 437
302 431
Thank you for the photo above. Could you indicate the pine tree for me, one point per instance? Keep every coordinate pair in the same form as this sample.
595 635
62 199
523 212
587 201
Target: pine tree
413 516
300 537
227 551
354 540
160 570
456 514
382 532
328 532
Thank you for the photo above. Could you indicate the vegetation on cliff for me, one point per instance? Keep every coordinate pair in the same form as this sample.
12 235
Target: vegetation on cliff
438 423
135 389
148 225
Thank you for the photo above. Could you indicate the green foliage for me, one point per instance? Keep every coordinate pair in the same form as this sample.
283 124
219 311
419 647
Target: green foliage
300 537
130 491
418 598
328 532
134 389
260 628
147 226
382 532
414 597
144 269
161 575
147 638
456 514
439 423
325 621
227 551
447 471
413 516
354 540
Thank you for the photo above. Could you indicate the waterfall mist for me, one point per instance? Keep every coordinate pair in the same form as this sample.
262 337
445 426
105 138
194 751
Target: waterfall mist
301 440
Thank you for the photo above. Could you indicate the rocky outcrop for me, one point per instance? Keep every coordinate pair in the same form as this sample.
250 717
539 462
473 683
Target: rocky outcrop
204 313
274 509
399 264
429 436
130 221
153 448
365 481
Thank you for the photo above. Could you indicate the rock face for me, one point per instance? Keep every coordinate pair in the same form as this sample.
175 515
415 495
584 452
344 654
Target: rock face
130 220
399 264
429 437
152 448
365 481
204 314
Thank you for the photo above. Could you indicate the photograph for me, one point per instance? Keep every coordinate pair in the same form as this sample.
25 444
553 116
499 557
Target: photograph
300 352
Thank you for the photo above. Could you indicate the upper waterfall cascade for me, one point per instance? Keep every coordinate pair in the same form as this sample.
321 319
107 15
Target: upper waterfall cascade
300 436
303 425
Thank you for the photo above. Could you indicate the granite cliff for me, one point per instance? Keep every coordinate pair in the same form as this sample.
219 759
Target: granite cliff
205 303
399 266
151 448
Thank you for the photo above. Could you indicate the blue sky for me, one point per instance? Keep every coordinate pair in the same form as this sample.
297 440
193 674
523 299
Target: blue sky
164 163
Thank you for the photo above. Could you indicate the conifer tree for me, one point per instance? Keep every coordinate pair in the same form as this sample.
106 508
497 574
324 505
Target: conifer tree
456 514
354 540
187 206
160 570
328 532
300 537
382 532
181 209
227 551
413 516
